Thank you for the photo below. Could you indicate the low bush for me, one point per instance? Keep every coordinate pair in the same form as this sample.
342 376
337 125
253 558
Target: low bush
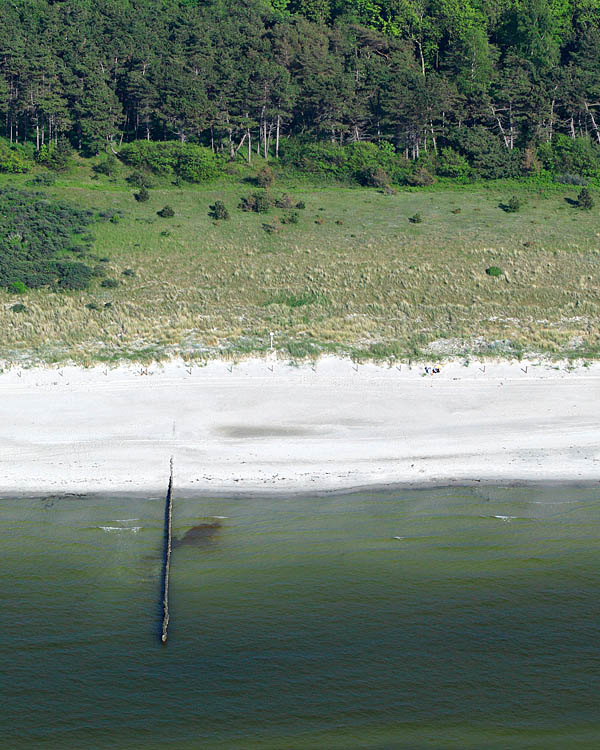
43 179
219 211
140 179
185 160
143 195
56 157
37 235
18 308
493 271
13 159
571 179
109 283
265 177
585 200
290 218
374 176
109 166
285 201
301 205
513 205
259 203
166 212
17 287
416 218
128 272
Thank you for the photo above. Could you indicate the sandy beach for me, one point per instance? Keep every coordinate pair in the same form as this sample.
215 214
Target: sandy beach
265 425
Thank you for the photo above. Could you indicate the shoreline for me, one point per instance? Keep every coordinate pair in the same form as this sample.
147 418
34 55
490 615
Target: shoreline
262 426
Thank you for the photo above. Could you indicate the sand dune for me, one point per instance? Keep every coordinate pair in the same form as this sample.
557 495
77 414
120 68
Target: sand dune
248 427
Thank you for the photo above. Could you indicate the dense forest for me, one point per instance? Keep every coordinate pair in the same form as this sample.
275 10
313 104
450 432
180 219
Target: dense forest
493 87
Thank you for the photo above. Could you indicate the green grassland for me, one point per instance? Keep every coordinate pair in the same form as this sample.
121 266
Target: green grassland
352 276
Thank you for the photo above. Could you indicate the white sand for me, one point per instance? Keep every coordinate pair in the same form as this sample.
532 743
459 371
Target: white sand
75 430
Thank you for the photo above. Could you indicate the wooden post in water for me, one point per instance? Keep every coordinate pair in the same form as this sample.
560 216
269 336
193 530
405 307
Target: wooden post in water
167 554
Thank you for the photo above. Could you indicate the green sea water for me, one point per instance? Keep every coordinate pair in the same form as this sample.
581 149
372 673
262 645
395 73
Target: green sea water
447 618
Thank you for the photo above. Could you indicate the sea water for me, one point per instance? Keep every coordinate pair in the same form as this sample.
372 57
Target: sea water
429 618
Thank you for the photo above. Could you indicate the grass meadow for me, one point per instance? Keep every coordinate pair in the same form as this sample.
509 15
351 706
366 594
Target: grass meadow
354 275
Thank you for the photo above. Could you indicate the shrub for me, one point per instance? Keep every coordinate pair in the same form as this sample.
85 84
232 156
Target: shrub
99 271
274 226
139 179
56 157
265 177
219 211
18 308
420 178
285 201
513 205
92 306
452 164
259 203
108 166
493 271
573 156
43 179
416 218
13 159
128 272
571 179
374 176
185 160
36 235
109 283
486 153
301 205
143 195
585 200
73 276
17 287
166 212
290 218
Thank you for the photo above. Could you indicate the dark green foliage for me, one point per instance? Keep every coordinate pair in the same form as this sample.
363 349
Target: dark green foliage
374 177
260 203
140 179
290 218
37 236
420 177
340 89
416 218
452 164
570 156
514 204
109 283
109 166
486 153
186 160
166 212
143 195
357 162
73 275
585 200
128 272
493 271
265 177
43 179
18 308
301 205
219 211
56 157
92 306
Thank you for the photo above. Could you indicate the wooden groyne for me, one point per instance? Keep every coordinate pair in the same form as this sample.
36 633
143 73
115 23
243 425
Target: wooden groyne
167 555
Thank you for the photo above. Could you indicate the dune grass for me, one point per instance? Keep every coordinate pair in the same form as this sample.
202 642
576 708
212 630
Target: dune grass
353 275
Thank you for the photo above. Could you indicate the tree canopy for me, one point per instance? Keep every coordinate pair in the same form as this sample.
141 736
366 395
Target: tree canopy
489 76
